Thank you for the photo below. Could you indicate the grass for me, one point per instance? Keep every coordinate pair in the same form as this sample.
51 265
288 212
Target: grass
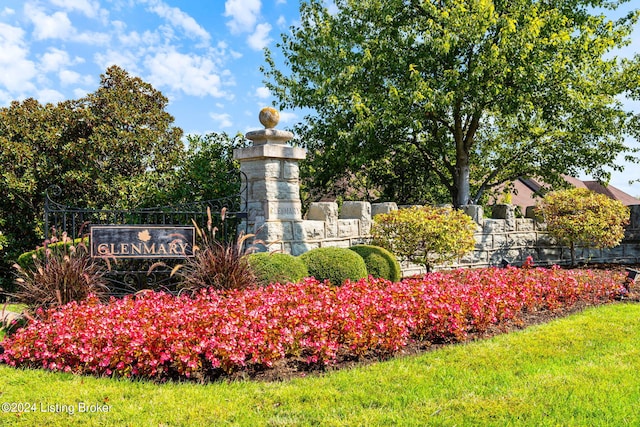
580 370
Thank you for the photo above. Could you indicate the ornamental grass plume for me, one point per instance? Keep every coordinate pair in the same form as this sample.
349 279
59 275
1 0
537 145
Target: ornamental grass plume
60 277
217 264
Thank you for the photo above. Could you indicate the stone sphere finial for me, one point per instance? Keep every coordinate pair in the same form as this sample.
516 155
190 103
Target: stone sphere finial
269 117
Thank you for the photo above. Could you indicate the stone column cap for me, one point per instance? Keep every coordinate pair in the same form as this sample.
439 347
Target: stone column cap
270 151
269 136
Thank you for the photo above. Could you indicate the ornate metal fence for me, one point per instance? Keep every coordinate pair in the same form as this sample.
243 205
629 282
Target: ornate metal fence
131 275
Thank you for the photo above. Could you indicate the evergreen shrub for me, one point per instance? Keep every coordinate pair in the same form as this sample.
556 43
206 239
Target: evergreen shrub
277 267
28 259
334 264
380 262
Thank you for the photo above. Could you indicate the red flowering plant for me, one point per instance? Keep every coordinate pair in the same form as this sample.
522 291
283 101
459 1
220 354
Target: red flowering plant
212 332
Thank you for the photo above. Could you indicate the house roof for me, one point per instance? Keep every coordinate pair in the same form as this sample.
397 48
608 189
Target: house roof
527 191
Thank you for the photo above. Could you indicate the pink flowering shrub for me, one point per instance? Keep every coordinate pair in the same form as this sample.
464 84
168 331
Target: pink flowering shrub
157 335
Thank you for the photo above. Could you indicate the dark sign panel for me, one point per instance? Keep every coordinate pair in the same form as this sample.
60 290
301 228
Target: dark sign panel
142 241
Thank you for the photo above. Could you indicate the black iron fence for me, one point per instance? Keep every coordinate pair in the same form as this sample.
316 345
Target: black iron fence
227 214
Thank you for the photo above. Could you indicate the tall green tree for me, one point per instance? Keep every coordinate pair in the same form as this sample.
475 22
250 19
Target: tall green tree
205 171
100 150
471 93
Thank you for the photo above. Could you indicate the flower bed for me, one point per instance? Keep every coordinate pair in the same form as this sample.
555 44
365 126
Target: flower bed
157 335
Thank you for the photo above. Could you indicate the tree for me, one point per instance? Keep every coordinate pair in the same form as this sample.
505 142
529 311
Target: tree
207 169
425 235
473 94
100 149
579 217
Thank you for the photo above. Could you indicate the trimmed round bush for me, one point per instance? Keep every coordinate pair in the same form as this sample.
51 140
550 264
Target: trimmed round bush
380 262
27 259
334 264
277 267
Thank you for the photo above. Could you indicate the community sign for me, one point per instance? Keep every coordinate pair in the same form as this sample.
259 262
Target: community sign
142 241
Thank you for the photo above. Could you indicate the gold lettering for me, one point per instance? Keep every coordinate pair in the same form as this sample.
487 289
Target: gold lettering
183 248
124 249
136 249
162 249
149 249
103 249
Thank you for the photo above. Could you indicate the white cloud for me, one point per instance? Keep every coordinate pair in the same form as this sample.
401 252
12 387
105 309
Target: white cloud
282 21
54 59
17 69
59 26
189 73
134 38
180 19
244 14
68 77
49 95
90 9
56 26
281 1
223 120
122 58
288 117
81 93
260 38
7 12
263 92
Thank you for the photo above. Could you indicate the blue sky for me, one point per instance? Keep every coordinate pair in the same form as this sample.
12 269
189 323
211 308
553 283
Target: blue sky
204 55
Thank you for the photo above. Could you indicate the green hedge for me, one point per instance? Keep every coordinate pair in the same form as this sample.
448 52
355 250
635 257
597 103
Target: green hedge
277 267
380 262
334 264
26 259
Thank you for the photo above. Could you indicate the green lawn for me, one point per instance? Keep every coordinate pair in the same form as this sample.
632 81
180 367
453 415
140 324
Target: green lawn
578 371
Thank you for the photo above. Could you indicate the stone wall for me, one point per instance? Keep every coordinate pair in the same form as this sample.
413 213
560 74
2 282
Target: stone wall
503 237
275 216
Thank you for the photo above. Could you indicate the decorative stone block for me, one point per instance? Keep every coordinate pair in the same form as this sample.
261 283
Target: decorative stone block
291 170
283 210
493 226
475 257
500 241
272 231
513 256
545 239
323 211
276 151
525 224
483 241
365 227
523 240
298 248
507 213
262 169
386 207
476 212
309 230
550 255
348 228
356 210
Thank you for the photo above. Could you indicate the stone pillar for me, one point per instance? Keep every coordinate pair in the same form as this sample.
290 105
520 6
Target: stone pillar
271 169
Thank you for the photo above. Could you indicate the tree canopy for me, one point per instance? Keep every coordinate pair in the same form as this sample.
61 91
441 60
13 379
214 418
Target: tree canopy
465 95
579 217
100 149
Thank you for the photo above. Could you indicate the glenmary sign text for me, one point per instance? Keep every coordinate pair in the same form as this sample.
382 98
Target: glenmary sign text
142 241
